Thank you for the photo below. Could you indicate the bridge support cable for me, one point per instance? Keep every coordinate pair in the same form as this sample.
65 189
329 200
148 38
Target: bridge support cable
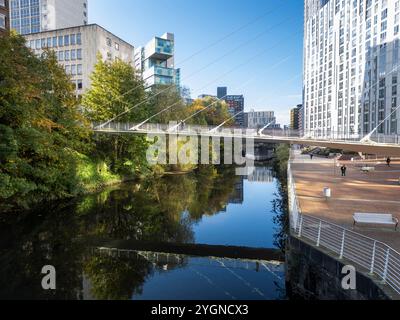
225 122
194 73
224 97
137 127
264 128
367 138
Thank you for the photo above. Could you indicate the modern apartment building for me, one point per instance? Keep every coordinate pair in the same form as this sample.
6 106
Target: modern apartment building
259 119
4 16
236 105
351 66
32 16
156 61
76 49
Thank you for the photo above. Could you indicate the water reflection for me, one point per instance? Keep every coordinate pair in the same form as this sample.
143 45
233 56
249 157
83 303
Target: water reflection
204 278
211 206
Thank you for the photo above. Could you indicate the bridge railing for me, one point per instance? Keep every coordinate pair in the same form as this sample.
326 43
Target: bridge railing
336 136
377 258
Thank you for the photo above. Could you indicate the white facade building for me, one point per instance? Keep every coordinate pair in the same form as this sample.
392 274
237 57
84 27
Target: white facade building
259 119
156 61
32 16
77 48
351 67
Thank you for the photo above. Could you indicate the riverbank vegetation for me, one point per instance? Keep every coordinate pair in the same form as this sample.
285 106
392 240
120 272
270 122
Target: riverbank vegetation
47 148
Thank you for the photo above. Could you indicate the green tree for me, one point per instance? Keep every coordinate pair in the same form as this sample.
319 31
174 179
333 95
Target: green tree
40 127
117 89
163 97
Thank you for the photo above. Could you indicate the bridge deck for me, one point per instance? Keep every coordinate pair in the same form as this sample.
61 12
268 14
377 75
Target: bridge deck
358 192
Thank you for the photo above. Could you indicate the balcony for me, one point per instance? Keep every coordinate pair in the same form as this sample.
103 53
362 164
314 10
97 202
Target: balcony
159 71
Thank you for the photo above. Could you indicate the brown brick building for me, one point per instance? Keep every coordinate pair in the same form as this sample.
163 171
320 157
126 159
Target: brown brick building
4 16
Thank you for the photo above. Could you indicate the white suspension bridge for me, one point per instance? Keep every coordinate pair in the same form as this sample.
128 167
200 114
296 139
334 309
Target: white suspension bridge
373 143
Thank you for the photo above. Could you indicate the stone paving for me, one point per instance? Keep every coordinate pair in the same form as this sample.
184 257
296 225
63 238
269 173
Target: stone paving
374 192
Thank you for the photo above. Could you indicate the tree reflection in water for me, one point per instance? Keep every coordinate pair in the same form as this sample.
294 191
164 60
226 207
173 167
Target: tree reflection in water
158 210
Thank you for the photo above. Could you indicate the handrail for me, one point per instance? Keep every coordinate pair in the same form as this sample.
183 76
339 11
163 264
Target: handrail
375 256
286 134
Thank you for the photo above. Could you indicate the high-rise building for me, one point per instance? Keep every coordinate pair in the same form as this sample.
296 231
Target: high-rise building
351 66
301 119
222 92
32 16
295 117
236 105
4 16
156 61
76 49
259 119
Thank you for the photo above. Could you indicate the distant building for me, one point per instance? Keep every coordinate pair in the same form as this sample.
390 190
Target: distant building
222 92
259 119
156 61
236 105
189 101
77 48
44 15
295 117
203 96
4 16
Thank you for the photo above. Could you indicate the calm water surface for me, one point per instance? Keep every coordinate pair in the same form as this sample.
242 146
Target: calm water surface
212 206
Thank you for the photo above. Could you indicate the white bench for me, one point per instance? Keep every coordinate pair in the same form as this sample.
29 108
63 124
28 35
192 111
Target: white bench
368 169
376 218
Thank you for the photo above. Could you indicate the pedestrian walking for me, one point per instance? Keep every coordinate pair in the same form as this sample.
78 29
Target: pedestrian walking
388 161
311 156
344 170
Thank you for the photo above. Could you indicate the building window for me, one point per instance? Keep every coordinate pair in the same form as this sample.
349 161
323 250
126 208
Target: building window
60 41
73 39
73 70
78 39
79 84
2 21
66 40
79 54
79 69
109 43
66 55
73 54
117 46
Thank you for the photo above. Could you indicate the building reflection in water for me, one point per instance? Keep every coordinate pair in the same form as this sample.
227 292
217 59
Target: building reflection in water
259 174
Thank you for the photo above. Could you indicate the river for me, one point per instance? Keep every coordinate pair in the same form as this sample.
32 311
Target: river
212 206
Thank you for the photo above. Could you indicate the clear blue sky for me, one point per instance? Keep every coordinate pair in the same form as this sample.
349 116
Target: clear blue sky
261 59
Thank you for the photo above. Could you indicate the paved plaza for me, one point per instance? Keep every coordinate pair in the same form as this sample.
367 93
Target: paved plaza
374 192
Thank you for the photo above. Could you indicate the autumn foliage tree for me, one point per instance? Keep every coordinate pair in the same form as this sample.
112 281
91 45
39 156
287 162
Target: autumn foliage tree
214 112
40 127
